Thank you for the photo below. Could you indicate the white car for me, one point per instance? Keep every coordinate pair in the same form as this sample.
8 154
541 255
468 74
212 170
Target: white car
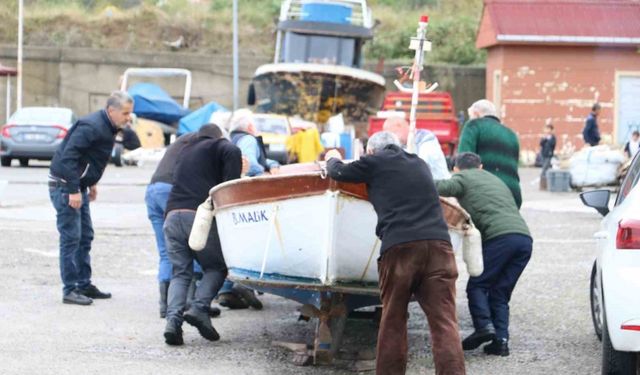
615 278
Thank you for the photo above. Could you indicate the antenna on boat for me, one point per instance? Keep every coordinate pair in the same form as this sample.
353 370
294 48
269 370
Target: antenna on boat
420 44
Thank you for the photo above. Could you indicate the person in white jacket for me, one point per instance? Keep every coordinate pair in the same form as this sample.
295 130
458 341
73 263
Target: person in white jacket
427 146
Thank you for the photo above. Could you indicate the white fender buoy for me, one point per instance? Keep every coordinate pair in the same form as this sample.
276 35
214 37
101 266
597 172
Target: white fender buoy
201 226
472 251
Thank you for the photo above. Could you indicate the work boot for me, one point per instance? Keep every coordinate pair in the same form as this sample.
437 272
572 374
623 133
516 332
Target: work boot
214 312
173 333
232 301
248 296
164 290
479 337
202 322
92 291
498 347
75 298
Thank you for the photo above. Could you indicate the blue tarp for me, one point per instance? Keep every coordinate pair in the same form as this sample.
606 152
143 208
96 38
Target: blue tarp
153 103
197 118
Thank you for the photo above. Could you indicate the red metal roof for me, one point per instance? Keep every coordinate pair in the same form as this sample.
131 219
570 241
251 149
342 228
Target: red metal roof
582 22
6 71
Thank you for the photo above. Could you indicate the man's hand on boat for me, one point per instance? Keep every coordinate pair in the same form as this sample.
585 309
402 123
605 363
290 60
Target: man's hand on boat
332 154
274 170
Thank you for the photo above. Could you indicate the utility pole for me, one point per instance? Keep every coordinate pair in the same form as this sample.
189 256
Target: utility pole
235 55
20 31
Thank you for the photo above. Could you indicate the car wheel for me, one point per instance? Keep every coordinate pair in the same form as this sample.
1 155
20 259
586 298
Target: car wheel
24 162
117 155
596 306
5 161
615 362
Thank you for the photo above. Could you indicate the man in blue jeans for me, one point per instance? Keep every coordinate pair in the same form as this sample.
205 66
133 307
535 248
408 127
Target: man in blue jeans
76 168
506 249
156 198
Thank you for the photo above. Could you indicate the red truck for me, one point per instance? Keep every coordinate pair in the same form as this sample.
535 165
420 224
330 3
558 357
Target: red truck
435 112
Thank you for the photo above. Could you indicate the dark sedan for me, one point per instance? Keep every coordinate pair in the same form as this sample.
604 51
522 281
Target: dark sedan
34 133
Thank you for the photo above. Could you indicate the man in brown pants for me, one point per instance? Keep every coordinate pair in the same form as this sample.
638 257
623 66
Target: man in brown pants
416 258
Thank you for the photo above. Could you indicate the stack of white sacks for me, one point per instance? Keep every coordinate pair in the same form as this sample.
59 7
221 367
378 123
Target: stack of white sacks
595 166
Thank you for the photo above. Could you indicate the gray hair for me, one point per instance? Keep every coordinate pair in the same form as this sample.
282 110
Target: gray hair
484 108
241 119
118 98
380 140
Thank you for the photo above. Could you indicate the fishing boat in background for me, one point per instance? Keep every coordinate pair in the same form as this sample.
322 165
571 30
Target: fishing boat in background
317 69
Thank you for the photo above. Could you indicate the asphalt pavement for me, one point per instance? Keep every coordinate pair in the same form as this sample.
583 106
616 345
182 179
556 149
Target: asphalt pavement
551 331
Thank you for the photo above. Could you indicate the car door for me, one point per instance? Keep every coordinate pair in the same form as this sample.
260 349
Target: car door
612 262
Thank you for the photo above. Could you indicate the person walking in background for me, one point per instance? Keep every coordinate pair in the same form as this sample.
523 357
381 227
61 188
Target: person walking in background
506 250
547 149
591 133
204 162
76 168
416 257
632 146
426 145
497 145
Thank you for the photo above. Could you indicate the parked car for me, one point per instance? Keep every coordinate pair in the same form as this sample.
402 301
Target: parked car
615 276
34 133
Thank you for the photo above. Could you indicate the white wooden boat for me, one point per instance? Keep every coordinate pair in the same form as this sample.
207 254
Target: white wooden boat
303 230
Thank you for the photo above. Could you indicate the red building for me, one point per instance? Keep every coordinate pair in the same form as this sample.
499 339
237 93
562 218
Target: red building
551 60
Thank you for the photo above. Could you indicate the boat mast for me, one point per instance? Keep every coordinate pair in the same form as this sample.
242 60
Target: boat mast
418 44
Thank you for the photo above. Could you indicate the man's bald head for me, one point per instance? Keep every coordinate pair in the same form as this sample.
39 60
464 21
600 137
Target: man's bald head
398 126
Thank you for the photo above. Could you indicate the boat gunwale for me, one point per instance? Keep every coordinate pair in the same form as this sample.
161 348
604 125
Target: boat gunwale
279 187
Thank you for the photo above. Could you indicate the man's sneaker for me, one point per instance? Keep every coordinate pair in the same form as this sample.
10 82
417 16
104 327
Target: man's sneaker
479 337
92 291
173 334
231 301
75 298
498 347
202 322
248 296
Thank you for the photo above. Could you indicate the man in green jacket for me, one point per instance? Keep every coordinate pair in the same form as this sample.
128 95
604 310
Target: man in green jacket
506 249
496 144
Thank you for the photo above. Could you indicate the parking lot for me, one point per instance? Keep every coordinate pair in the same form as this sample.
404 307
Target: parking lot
551 326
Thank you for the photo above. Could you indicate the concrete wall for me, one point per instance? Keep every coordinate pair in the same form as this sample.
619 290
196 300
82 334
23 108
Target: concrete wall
557 84
82 78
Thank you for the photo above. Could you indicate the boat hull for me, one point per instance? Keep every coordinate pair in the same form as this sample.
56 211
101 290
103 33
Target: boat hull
302 234
316 92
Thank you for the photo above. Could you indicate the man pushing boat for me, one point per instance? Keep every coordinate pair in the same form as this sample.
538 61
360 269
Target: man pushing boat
416 257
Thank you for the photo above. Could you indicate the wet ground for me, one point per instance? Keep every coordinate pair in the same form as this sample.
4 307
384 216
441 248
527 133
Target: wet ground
550 322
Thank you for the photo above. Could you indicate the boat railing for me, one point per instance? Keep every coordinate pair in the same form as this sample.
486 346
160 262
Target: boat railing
360 16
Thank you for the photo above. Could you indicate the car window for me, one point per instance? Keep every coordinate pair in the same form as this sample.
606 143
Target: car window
41 116
271 125
630 181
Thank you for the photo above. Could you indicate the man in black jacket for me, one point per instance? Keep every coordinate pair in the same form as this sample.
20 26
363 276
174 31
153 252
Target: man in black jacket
416 257
76 168
547 150
591 133
205 162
